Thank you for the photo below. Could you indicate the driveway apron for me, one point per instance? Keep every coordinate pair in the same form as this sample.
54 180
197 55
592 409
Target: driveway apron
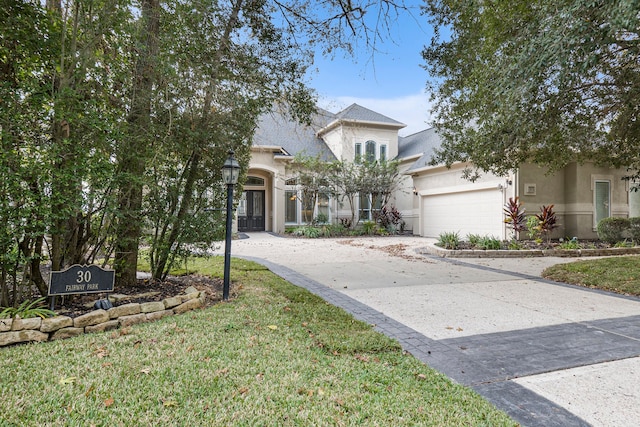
546 353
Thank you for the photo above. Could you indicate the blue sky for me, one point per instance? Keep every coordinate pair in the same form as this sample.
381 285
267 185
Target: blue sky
391 82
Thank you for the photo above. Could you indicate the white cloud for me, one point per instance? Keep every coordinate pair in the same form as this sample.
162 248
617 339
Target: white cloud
412 110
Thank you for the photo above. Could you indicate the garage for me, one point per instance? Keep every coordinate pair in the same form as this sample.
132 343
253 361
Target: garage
467 212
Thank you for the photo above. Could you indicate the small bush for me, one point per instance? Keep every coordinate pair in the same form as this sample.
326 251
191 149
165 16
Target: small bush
489 243
474 239
449 240
634 229
369 228
389 218
345 222
28 309
307 231
320 219
533 228
611 229
569 244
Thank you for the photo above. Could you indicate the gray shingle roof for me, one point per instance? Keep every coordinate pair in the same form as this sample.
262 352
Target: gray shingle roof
278 129
424 142
356 112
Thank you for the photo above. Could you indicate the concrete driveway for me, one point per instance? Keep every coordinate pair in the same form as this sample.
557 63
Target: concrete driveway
546 353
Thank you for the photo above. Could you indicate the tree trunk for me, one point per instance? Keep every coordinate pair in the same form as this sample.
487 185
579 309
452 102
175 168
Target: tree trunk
132 152
176 226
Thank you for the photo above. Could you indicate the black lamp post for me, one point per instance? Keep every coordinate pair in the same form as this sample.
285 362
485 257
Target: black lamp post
230 173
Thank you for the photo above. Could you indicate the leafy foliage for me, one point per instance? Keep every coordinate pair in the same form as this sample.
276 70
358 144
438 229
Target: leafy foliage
390 218
449 240
634 229
547 221
541 81
533 228
116 117
611 229
28 309
515 216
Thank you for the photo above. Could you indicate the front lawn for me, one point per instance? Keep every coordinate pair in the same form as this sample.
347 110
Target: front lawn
275 356
617 274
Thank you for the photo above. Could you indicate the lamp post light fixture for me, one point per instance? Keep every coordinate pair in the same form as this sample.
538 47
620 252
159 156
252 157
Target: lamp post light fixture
230 174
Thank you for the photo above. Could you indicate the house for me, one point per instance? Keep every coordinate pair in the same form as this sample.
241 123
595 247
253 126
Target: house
432 199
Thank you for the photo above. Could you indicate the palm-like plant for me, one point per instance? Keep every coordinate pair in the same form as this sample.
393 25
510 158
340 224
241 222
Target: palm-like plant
515 216
547 221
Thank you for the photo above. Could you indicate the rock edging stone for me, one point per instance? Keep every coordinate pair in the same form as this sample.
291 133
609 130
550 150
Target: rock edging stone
16 331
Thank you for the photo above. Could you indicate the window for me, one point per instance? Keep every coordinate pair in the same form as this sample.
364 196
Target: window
370 151
366 212
383 152
357 152
255 181
602 201
322 211
291 206
365 207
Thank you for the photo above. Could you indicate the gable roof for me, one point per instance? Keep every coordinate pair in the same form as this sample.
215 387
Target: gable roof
277 129
358 114
424 142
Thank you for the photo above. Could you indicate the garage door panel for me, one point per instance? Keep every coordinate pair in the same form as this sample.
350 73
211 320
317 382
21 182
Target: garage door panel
477 212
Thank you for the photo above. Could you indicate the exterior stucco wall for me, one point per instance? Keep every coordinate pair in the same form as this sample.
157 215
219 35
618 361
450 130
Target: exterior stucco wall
342 140
405 200
273 171
537 189
571 191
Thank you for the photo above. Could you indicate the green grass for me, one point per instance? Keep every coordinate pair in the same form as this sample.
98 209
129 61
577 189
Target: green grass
274 356
617 274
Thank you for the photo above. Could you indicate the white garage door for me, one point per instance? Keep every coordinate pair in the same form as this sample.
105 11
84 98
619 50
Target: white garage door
473 212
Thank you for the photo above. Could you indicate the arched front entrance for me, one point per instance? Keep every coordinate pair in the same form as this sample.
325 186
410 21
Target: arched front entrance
252 205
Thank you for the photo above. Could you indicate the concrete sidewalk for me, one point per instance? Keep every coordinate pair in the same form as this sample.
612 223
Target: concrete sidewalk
546 353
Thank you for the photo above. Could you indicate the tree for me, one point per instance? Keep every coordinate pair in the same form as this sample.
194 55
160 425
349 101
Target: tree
311 175
545 81
379 180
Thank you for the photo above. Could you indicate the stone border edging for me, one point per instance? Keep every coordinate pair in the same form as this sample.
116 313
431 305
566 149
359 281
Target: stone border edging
36 329
525 253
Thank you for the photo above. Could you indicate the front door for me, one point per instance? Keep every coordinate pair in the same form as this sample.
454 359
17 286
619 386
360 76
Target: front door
251 211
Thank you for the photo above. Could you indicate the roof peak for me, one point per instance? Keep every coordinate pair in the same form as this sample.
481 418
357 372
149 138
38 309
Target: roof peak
356 112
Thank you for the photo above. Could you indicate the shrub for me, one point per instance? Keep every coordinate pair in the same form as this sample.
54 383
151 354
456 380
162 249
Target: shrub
389 218
320 219
533 228
611 229
28 309
474 239
489 243
449 240
569 244
307 231
345 222
369 228
634 229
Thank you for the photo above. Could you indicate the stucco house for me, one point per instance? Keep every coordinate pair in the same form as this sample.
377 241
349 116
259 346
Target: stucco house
432 199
